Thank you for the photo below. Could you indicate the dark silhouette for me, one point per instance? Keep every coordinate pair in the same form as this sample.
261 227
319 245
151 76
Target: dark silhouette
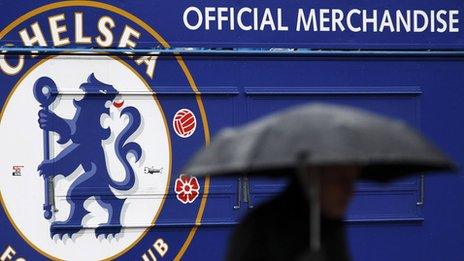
278 230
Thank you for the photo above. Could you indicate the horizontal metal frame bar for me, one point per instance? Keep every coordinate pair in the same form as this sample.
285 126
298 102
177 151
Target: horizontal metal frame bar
385 220
335 90
164 224
238 52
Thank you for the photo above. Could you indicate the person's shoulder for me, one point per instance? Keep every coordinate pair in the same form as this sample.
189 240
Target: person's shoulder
249 240
257 217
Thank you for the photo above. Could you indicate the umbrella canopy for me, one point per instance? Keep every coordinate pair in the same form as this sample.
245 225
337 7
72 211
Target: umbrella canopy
326 135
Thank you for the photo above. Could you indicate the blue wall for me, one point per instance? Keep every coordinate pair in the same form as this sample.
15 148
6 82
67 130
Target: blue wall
386 222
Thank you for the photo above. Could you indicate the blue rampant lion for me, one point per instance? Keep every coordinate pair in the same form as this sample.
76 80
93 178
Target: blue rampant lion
86 134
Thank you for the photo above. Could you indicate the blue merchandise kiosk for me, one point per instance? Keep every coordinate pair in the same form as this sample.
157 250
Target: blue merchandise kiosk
103 103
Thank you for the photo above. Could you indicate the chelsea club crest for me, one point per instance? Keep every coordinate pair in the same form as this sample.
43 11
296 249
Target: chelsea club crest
100 140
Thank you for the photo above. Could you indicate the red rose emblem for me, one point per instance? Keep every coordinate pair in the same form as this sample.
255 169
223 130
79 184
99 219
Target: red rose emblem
187 189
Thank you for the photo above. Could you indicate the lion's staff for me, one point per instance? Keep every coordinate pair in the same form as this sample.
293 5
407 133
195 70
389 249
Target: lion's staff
44 93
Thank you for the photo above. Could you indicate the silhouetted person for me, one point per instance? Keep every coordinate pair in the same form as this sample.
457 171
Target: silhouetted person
279 229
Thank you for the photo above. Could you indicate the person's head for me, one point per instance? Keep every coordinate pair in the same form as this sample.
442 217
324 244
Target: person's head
336 189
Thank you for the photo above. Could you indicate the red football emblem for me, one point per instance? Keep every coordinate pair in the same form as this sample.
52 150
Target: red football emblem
184 123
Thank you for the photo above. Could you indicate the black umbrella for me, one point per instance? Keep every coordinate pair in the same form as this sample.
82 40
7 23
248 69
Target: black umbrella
327 135
318 135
